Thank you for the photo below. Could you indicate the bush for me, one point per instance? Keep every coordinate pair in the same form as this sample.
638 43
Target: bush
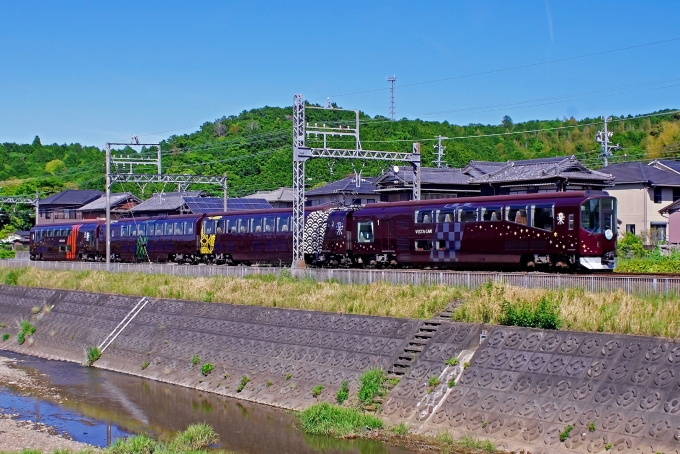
545 315
630 246
244 381
5 337
565 433
25 329
196 437
195 360
371 384
93 354
12 277
206 369
141 444
343 393
327 419
7 254
453 361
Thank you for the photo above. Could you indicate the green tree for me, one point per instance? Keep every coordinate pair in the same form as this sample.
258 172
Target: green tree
54 166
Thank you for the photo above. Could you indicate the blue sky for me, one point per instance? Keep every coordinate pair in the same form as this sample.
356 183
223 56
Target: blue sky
93 72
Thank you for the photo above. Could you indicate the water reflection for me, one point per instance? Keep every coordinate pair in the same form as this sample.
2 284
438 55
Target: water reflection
129 404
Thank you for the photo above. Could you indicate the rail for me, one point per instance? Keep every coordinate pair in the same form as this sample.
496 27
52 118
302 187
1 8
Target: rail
643 285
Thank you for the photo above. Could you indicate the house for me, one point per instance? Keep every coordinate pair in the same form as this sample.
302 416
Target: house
119 203
63 206
348 191
278 198
192 202
672 213
643 190
493 178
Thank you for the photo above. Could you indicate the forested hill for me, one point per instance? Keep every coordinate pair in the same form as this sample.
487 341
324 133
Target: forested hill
254 148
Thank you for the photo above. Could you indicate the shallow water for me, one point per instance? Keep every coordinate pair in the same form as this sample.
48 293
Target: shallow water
99 406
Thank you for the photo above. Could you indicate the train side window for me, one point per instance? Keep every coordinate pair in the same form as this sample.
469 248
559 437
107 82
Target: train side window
445 216
269 224
159 228
441 245
571 222
242 225
517 214
179 228
466 214
209 227
169 230
124 230
491 214
365 231
283 224
141 229
221 226
423 245
543 217
256 225
423 216
231 226
189 228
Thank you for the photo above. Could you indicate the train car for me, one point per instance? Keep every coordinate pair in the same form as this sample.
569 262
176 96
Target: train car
567 230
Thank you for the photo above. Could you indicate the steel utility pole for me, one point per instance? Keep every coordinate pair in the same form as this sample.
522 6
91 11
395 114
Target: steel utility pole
602 138
393 110
108 206
440 151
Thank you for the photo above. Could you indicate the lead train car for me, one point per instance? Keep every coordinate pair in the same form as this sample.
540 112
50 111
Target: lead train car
567 230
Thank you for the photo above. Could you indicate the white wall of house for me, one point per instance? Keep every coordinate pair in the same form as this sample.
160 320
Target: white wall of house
637 207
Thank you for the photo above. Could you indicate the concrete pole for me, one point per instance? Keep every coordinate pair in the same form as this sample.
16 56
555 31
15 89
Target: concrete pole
108 207
37 206
225 192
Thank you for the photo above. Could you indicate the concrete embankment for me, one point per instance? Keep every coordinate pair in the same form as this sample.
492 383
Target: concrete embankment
522 388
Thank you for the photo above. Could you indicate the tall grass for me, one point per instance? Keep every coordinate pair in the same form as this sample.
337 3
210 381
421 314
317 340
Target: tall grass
327 419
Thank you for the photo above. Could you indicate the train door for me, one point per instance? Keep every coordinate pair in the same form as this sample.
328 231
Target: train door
388 237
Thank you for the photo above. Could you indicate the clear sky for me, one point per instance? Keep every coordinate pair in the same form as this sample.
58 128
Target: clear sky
94 71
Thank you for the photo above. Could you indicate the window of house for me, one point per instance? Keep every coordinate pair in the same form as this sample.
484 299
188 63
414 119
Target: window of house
658 195
370 201
283 224
630 228
445 216
365 231
424 216
424 245
356 201
658 231
543 217
491 213
467 214
517 214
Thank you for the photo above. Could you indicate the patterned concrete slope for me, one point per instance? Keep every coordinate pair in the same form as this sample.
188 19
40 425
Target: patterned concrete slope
284 353
524 387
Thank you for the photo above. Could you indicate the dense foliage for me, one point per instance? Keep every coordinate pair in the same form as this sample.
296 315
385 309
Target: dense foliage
254 150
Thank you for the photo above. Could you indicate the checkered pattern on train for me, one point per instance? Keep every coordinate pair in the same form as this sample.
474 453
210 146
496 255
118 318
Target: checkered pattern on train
452 233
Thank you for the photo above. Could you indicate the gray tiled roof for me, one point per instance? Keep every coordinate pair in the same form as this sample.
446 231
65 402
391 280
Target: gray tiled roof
542 169
116 199
168 201
637 172
72 197
366 186
428 175
277 195
672 165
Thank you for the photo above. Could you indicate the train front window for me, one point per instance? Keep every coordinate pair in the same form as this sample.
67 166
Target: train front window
365 229
209 227
590 215
543 217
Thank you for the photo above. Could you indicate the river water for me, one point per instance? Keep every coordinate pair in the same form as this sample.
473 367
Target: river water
98 406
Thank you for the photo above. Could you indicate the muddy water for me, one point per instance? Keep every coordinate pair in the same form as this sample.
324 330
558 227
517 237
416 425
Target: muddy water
98 406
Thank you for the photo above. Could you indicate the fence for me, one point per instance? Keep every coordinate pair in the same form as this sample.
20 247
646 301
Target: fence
644 285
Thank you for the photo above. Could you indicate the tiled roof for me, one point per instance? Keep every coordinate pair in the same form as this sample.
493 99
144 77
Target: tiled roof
675 206
366 186
116 199
72 197
542 169
277 195
667 163
167 201
637 172
428 175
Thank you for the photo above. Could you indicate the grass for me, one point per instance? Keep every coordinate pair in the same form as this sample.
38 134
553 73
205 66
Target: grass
26 328
371 384
400 429
206 369
432 383
195 360
453 361
195 439
242 384
447 443
93 354
327 419
565 433
317 390
343 393
5 337
452 383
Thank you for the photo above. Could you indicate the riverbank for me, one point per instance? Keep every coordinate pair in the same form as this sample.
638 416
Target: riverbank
16 435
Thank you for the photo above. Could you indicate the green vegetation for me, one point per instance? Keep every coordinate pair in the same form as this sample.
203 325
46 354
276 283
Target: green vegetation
453 361
244 381
371 384
93 354
145 365
343 393
5 337
448 443
25 329
565 433
544 315
195 439
206 369
400 429
288 376
317 390
195 360
452 383
634 258
7 253
326 419
432 383
269 383
608 446
466 364
12 277
591 426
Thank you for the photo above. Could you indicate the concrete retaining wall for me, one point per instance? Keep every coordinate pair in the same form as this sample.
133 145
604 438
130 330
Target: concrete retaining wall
522 387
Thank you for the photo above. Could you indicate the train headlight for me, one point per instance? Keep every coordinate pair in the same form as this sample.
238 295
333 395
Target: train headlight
608 234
